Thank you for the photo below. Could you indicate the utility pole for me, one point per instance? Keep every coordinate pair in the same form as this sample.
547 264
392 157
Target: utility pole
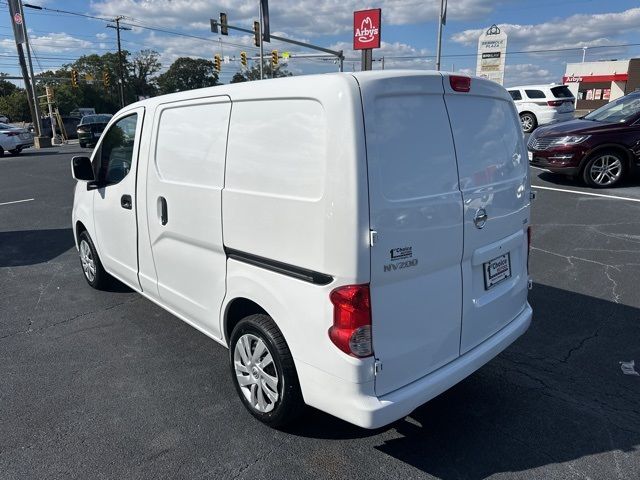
261 42
584 53
117 27
36 103
19 34
442 20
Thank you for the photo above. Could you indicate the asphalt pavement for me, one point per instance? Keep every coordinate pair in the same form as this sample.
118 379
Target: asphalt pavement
108 385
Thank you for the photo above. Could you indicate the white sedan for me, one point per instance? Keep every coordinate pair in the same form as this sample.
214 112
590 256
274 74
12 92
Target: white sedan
14 139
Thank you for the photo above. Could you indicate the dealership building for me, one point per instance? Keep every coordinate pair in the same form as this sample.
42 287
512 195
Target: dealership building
596 83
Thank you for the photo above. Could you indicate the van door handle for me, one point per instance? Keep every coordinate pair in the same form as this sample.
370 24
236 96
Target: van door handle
162 210
125 202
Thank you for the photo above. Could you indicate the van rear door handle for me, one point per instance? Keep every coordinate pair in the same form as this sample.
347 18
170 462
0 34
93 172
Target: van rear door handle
125 202
162 210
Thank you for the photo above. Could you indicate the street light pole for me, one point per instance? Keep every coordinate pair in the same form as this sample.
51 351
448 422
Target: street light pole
261 41
584 53
117 27
441 20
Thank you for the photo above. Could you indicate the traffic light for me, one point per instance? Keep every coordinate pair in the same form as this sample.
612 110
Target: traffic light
223 24
274 58
243 59
256 34
217 63
74 78
106 79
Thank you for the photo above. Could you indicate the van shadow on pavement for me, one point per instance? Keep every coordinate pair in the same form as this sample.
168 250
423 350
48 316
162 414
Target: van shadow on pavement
557 395
30 247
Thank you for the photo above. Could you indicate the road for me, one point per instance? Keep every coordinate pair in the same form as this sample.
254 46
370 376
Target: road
108 385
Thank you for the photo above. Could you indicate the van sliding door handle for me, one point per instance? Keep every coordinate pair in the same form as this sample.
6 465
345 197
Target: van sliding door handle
125 202
163 214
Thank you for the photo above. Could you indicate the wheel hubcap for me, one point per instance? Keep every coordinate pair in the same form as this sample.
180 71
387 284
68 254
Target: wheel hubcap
527 122
256 373
88 265
606 170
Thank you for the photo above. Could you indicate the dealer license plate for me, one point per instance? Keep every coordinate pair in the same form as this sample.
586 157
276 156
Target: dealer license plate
497 270
530 155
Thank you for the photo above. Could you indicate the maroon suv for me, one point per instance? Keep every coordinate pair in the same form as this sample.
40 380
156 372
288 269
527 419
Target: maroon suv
600 148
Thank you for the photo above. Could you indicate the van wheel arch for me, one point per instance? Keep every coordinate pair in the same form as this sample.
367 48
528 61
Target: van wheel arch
79 229
238 309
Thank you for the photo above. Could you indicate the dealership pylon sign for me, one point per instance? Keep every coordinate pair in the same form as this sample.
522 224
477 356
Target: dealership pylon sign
492 54
367 25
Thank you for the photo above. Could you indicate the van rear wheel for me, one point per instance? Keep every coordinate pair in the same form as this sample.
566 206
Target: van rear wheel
94 273
263 371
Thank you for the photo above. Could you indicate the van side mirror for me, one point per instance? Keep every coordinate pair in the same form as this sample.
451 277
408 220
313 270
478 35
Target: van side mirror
81 169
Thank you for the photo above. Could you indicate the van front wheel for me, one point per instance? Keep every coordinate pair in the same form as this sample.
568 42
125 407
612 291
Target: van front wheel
94 273
263 371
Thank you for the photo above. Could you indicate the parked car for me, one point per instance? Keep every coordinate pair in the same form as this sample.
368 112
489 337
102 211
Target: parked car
70 125
14 139
542 104
90 128
600 148
362 271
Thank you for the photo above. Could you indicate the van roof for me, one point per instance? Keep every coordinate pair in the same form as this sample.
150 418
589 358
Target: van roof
283 83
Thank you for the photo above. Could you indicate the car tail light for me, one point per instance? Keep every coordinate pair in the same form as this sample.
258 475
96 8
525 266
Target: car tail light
459 83
528 246
351 330
555 103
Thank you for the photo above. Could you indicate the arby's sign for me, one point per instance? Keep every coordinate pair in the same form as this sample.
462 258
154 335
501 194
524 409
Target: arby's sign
366 29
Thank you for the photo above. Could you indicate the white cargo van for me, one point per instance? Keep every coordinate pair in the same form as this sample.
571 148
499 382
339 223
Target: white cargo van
358 241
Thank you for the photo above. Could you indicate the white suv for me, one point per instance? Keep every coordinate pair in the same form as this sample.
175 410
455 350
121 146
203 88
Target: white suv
542 104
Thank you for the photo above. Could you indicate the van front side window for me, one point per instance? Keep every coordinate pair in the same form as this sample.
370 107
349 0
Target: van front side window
116 150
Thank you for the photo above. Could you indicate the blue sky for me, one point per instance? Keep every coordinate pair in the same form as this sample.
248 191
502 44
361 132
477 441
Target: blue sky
409 29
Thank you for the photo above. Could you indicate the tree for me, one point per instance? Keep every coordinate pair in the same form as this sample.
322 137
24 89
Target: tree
16 106
186 74
142 67
254 72
238 78
6 87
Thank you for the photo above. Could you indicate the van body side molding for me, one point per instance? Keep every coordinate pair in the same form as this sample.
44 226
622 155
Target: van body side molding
303 274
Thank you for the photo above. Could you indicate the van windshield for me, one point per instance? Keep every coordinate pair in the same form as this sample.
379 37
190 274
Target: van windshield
618 111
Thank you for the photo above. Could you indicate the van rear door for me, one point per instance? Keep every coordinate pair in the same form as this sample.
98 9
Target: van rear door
494 180
416 213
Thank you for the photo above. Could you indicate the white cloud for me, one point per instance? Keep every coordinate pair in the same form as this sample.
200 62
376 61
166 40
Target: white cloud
576 31
101 36
51 43
298 17
528 74
389 51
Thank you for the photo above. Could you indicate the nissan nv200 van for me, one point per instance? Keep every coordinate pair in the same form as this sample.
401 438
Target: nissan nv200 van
358 241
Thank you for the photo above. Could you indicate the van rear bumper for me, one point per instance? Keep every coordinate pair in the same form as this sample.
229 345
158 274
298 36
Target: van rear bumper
357 404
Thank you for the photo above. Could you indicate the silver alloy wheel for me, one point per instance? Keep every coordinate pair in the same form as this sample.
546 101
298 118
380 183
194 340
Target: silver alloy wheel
256 373
605 170
527 122
88 264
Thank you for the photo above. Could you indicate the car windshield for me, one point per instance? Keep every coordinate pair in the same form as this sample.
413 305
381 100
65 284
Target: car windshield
95 119
618 111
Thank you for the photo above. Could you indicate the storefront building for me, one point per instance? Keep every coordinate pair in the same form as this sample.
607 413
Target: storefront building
597 83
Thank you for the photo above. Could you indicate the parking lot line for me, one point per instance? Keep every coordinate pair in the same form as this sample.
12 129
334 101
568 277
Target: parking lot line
579 192
17 201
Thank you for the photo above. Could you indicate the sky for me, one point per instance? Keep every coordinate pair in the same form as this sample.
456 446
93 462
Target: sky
535 29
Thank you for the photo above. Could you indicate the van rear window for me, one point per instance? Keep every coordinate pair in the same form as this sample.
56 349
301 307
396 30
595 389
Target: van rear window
561 92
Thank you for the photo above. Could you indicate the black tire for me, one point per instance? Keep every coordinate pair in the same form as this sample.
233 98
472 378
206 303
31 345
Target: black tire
616 168
16 151
289 404
528 121
101 279
1 152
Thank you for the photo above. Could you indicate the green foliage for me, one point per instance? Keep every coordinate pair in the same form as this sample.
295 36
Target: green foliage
143 66
16 106
6 87
254 72
238 78
186 74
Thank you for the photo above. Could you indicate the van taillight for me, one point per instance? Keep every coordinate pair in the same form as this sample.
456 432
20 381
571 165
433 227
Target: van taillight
528 246
460 83
555 103
351 330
